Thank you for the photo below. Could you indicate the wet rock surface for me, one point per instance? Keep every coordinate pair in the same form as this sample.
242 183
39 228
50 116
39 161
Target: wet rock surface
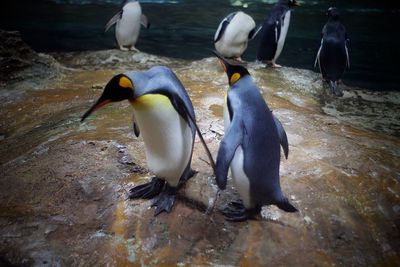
21 66
64 184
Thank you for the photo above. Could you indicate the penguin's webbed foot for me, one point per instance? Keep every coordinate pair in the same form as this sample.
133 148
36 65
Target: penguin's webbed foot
237 212
165 200
122 48
273 65
240 60
147 190
132 48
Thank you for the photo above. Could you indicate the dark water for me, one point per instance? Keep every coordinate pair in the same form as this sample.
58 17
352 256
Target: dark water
185 29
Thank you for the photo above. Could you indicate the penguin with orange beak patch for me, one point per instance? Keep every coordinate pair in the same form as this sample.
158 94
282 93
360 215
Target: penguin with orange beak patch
250 148
164 116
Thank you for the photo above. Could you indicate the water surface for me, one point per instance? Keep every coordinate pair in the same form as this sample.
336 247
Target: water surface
185 29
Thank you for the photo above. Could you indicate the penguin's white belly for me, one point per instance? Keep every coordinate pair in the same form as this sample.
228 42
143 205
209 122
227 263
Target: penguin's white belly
128 27
235 38
240 179
167 137
282 37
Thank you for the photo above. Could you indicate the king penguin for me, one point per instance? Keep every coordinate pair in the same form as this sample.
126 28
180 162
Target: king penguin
128 21
250 147
333 55
233 34
273 33
164 116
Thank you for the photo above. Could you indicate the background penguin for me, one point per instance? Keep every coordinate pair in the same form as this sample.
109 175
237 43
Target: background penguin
128 21
164 116
333 55
250 147
233 34
273 33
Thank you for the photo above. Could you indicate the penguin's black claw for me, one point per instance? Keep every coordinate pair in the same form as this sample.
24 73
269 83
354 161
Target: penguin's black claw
147 190
165 200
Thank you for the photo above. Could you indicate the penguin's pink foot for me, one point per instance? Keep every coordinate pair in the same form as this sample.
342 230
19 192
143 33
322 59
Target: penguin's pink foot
132 48
273 65
239 59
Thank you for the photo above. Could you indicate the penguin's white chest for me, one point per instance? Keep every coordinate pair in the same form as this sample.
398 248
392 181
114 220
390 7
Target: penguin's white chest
128 27
167 137
240 179
282 37
235 38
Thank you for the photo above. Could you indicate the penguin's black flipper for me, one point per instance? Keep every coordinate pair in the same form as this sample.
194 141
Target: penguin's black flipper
144 21
222 26
286 206
254 32
282 136
227 149
347 55
317 61
113 20
147 190
165 200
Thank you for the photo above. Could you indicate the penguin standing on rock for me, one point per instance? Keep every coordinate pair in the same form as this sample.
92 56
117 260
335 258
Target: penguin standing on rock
333 55
250 148
128 21
164 116
233 34
273 33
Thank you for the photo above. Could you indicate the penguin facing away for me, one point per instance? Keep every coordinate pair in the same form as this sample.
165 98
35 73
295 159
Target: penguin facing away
250 147
128 21
333 55
233 34
164 116
273 33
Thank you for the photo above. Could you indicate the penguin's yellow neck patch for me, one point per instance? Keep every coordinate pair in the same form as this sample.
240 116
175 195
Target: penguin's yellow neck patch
234 78
151 101
125 82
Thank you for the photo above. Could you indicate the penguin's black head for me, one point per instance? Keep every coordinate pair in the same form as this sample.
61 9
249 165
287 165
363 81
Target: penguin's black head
234 72
293 3
333 13
119 88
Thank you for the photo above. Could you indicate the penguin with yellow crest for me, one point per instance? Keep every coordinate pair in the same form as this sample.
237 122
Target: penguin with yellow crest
250 147
164 116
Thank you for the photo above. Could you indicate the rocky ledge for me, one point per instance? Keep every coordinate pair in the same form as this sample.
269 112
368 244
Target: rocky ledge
64 184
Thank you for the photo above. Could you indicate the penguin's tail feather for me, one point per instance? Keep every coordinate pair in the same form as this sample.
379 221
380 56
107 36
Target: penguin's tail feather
285 205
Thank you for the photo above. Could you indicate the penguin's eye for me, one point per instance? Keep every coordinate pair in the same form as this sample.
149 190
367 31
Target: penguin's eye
235 77
125 82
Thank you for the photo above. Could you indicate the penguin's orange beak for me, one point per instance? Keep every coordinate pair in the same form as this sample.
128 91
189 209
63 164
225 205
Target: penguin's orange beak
99 104
222 61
